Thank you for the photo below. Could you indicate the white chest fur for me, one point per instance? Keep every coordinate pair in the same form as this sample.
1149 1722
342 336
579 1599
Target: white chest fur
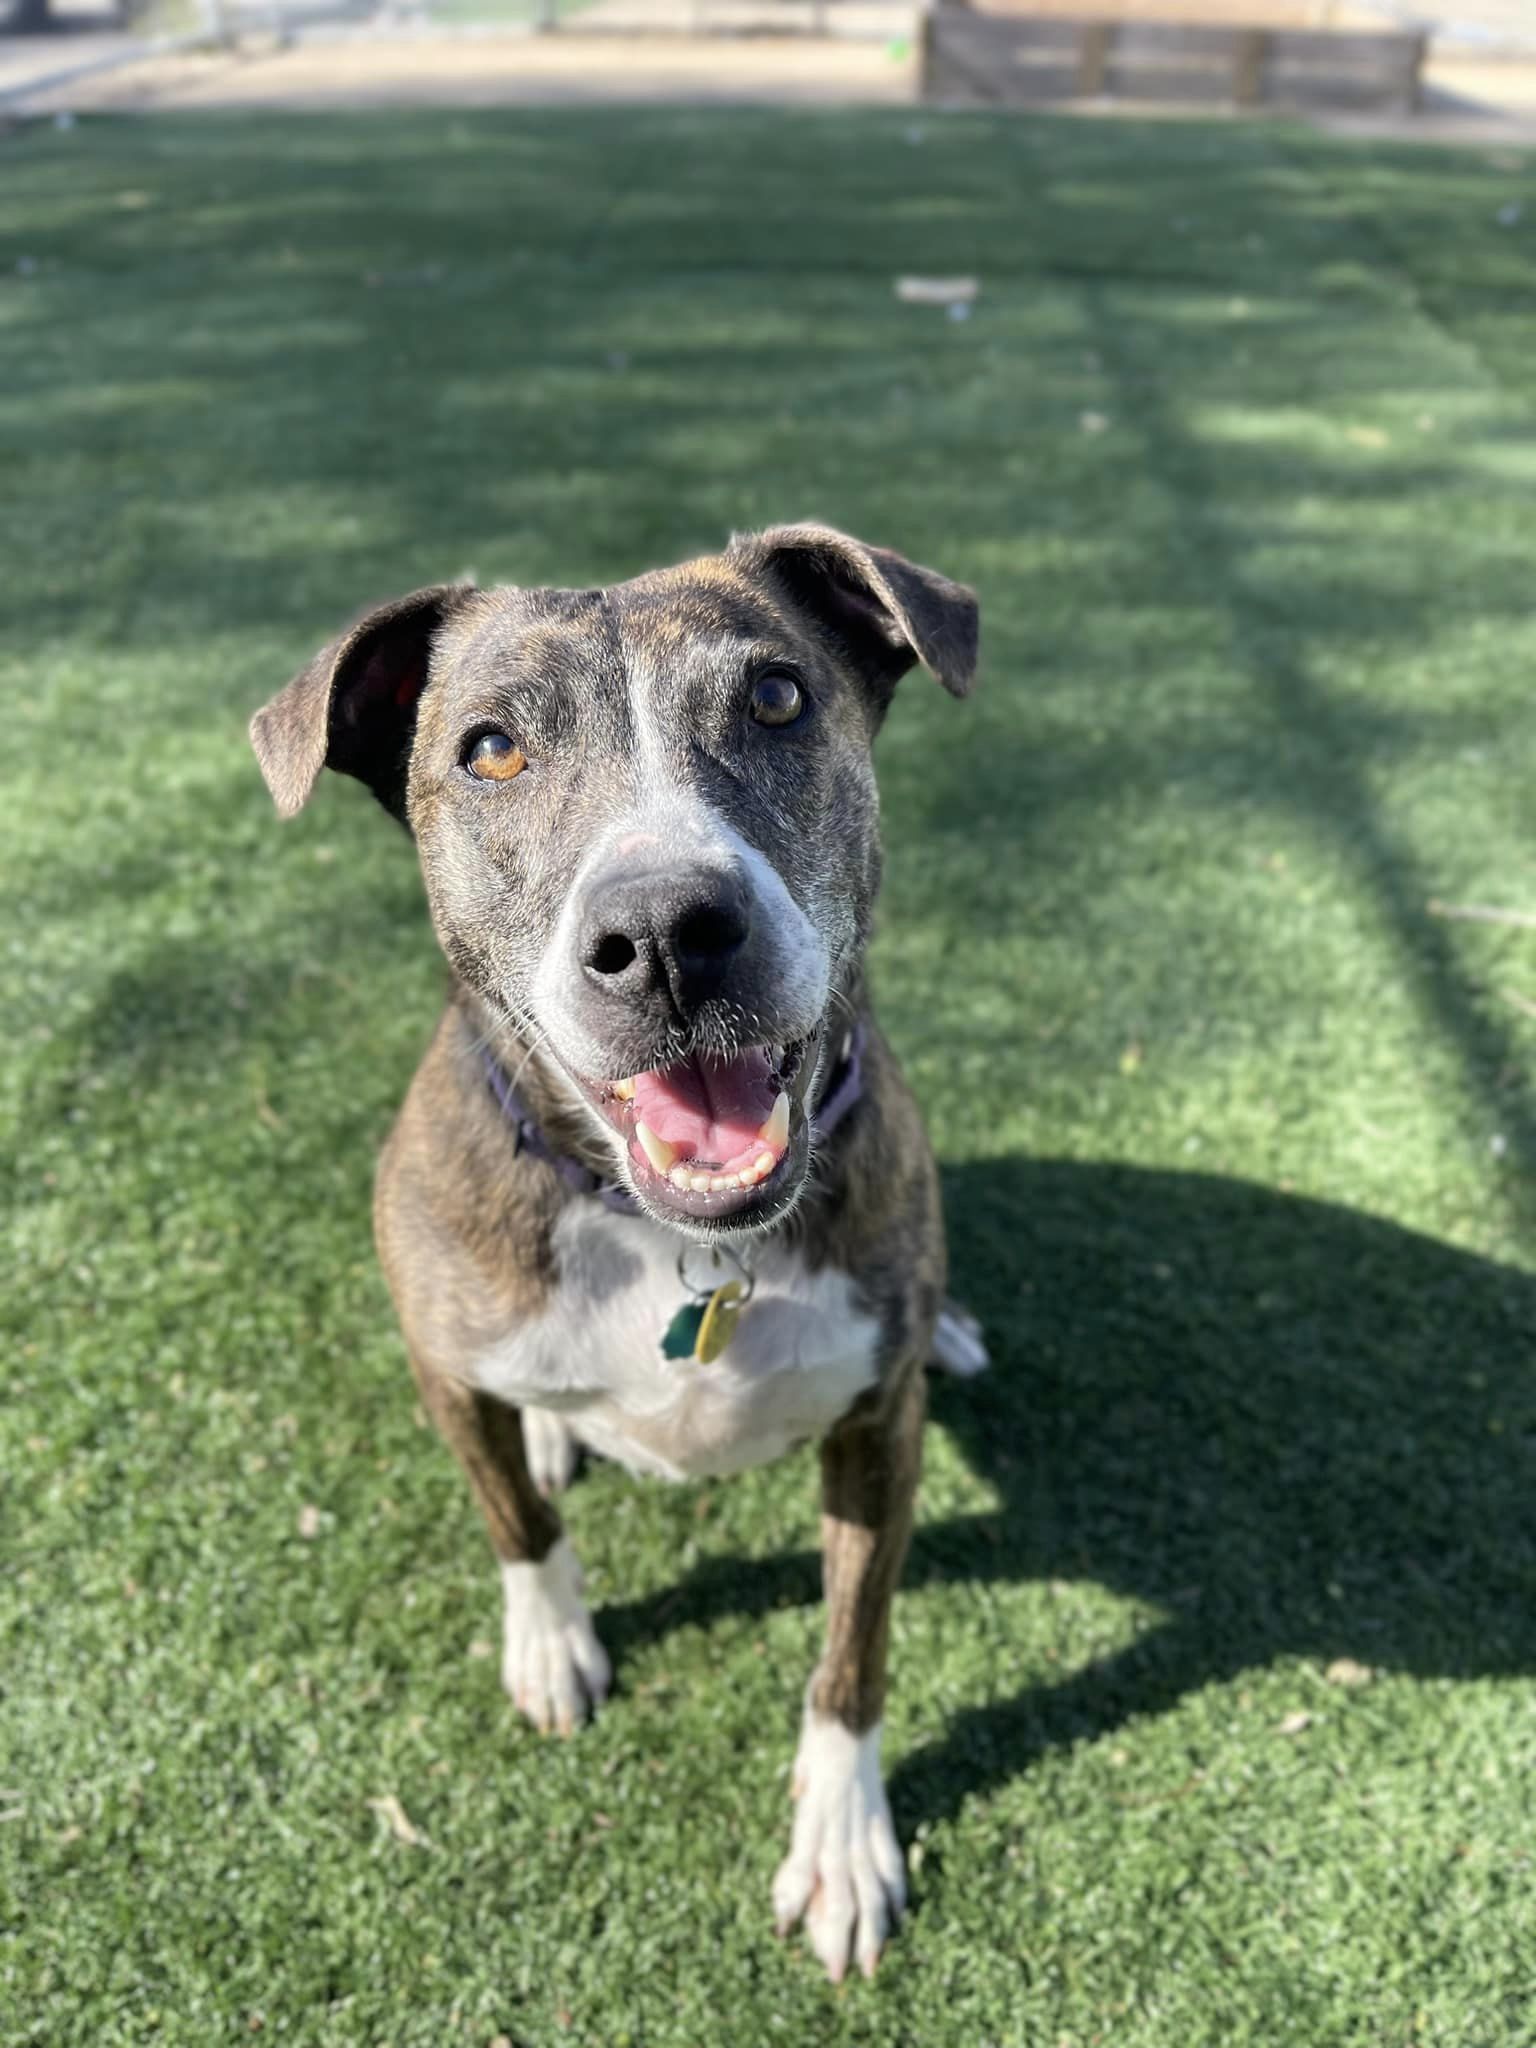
802 1352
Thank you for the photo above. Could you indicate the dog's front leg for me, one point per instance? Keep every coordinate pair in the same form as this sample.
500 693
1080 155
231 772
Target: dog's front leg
552 1662
844 1871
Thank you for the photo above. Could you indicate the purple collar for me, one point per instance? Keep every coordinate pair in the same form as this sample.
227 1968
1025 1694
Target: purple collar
844 1087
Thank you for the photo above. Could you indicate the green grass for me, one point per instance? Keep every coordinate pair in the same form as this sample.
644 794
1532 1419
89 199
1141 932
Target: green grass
1239 447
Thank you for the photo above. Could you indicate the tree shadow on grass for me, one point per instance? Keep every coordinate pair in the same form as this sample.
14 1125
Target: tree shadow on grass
1293 1429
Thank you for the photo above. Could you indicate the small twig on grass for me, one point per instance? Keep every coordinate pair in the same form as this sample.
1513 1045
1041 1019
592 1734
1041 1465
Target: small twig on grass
1482 913
399 1822
1522 1003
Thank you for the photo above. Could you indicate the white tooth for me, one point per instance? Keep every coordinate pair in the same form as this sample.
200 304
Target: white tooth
699 1182
723 1180
657 1150
625 1090
776 1131
680 1177
764 1165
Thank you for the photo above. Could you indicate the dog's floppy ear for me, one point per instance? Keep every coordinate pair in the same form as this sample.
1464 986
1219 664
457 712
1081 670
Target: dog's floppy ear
884 610
353 708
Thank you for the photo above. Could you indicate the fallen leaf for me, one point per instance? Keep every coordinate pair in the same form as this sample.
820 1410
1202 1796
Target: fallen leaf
480 1647
309 1521
1345 1671
1295 1724
401 1826
936 291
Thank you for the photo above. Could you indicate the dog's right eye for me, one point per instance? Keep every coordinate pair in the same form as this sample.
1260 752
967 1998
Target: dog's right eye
777 698
493 758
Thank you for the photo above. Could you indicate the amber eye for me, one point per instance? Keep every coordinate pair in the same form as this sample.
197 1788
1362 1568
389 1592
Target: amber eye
777 699
493 758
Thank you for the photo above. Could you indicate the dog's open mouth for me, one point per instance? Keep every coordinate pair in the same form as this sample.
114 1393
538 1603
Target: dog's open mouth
710 1134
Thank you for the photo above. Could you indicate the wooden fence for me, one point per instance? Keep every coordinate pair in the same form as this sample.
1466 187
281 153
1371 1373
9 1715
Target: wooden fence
1034 60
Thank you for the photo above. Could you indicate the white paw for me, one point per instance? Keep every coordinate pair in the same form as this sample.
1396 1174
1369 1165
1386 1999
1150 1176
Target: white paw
550 1449
958 1345
552 1663
844 1871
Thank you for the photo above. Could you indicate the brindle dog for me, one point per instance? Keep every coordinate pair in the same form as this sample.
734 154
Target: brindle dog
646 818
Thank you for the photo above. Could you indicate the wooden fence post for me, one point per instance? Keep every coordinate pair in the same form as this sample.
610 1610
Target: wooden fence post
1248 67
1092 57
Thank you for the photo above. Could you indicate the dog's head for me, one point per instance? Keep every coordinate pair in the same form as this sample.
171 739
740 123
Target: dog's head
647 823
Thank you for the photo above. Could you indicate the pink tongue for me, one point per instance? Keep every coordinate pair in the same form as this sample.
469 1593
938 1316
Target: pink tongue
708 1108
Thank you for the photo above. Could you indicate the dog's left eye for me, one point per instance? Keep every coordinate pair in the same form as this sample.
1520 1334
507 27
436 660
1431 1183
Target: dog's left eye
493 758
777 698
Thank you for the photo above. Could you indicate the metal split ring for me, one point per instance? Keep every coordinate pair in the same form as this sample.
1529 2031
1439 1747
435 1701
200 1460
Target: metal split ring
723 1264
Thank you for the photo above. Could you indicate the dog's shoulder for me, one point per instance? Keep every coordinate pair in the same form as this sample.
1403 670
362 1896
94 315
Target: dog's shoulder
873 1209
464 1228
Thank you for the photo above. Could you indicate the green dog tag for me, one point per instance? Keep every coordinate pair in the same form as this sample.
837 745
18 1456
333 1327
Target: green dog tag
681 1336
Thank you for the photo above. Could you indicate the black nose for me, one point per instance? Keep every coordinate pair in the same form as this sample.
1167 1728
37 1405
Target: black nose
682 932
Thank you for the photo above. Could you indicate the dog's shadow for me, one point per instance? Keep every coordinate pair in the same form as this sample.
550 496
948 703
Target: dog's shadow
1284 1428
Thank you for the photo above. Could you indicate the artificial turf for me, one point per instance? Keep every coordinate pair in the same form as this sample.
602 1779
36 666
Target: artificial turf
1214 1711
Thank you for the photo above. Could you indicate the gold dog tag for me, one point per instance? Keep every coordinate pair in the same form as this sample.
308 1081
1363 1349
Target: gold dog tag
722 1312
704 1325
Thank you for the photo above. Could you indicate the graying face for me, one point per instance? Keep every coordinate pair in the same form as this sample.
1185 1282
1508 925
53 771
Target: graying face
647 824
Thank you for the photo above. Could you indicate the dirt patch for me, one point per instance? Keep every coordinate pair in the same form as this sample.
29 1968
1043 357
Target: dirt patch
514 70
